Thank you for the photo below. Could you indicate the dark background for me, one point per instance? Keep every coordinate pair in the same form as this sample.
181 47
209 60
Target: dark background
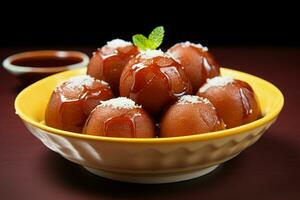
262 40
82 23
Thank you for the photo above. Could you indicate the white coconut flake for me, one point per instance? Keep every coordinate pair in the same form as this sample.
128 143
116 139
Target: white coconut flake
138 66
188 43
79 82
119 103
117 43
102 82
218 81
186 99
148 54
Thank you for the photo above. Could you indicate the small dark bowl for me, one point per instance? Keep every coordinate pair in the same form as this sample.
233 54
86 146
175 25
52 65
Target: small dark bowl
31 66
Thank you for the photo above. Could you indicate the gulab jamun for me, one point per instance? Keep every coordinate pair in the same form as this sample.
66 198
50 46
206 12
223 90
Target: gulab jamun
153 79
108 62
72 101
234 100
120 117
196 61
188 116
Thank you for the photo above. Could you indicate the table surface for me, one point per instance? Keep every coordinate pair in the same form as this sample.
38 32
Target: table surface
270 169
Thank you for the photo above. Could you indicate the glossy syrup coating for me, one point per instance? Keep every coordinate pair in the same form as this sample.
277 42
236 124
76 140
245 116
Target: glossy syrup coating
108 62
153 81
120 121
188 116
197 62
72 101
235 101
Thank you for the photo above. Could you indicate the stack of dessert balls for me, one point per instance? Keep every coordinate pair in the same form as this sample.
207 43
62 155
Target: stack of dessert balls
132 93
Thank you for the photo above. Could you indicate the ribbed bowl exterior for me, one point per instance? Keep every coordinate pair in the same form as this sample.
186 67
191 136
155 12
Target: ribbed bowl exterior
148 158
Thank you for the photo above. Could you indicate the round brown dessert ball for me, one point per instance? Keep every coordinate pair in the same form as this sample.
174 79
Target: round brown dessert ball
234 100
197 62
72 101
153 79
108 62
120 117
188 116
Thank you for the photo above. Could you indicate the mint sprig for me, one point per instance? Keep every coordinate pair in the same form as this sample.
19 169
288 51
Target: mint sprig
153 41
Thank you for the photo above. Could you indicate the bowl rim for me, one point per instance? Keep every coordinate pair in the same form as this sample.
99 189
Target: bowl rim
190 138
7 62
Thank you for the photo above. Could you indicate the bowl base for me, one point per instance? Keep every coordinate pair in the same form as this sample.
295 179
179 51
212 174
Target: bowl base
154 178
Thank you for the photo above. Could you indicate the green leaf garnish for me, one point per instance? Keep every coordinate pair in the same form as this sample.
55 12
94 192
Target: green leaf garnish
152 42
140 41
156 37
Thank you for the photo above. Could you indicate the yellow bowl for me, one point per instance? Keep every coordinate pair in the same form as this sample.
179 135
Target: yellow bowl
154 160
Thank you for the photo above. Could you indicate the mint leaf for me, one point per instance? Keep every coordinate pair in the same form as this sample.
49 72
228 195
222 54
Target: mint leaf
140 41
156 37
